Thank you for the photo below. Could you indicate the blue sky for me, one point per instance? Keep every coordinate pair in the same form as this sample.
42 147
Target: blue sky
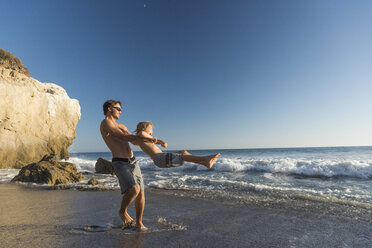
208 74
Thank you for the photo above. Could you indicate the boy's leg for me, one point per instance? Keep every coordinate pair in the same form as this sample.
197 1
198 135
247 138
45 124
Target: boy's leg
184 152
207 161
194 158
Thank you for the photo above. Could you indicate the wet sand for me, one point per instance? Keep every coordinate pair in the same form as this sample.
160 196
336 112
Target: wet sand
34 217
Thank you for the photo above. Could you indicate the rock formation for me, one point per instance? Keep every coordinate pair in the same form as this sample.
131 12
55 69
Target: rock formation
50 172
94 182
9 61
103 166
37 120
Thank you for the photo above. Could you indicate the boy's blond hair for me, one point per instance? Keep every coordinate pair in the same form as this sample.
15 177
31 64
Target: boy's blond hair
141 126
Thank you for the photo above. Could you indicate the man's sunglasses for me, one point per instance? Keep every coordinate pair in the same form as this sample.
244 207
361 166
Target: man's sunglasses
117 108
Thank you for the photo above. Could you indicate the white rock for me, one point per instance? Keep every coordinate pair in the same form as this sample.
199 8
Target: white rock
36 120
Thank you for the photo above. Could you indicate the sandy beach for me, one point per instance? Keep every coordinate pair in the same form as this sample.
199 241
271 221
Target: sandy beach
34 217
246 123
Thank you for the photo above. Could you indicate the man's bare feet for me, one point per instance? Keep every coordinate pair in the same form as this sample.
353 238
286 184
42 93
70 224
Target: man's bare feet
141 228
210 160
127 220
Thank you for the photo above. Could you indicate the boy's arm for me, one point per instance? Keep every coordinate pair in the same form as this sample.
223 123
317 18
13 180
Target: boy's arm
162 143
147 135
115 131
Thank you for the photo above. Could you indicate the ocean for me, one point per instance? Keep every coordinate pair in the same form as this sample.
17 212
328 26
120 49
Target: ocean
341 174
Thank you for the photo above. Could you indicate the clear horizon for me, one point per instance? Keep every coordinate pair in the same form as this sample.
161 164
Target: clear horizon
221 149
209 75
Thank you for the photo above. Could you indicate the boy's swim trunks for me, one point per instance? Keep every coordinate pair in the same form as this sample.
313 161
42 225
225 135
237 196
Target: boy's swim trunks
168 159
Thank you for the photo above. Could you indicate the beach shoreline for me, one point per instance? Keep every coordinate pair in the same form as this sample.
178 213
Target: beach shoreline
33 216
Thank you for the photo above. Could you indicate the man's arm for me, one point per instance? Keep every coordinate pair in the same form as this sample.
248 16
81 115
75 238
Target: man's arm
126 132
115 131
124 129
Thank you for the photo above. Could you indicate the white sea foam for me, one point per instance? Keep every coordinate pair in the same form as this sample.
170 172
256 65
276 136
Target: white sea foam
234 186
6 175
146 163
327 174
307 167
83 165
315 167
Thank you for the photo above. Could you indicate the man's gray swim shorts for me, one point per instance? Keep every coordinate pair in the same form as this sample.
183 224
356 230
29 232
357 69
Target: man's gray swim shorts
128 173
168 159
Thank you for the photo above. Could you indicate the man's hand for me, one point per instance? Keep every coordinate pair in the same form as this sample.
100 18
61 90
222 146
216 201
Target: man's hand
136 143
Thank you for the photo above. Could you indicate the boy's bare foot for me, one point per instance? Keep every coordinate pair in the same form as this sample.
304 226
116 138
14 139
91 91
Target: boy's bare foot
210 160
141 228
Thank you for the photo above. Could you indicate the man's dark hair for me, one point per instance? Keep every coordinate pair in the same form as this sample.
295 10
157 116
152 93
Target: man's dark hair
108 104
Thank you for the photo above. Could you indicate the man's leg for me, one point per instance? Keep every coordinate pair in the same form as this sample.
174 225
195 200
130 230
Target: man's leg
140 206
128 198
207 161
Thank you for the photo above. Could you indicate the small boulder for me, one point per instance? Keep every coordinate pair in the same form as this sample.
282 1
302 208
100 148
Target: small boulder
94 182
50 172
103 166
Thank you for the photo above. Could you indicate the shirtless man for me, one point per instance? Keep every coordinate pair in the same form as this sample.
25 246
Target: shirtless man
167 159
116 137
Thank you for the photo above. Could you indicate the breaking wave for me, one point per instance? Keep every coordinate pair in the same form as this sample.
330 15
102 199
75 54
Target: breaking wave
315 167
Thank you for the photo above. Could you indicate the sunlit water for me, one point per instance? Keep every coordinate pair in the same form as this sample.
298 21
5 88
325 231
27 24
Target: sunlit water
338 172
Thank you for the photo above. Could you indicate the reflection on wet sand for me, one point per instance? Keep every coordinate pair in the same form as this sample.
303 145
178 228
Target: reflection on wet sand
27 213
33 217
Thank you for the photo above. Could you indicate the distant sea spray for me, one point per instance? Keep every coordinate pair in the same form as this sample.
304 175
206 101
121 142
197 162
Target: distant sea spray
345 173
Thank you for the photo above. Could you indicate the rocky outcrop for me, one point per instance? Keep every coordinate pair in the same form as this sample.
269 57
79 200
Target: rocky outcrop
94 182
37 120
103 166
9 61
49 172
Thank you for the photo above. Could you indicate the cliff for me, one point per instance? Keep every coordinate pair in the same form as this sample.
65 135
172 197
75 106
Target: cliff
37 120
9 61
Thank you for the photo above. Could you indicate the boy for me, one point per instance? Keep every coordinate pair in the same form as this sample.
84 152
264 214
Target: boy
167 159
